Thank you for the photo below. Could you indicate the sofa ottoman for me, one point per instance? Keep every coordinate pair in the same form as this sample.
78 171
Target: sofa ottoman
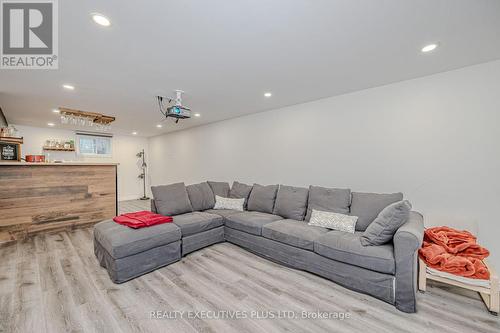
127 253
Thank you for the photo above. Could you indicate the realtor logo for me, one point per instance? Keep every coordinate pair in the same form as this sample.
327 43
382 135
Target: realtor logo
29 34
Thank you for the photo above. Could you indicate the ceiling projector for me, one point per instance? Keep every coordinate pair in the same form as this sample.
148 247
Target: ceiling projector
177 110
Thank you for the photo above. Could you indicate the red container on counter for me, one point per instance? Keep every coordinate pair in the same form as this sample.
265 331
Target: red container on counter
35 158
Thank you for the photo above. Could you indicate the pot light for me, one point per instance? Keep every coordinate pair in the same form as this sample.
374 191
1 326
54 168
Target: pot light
56 111
51 124
68 87
101 19
134 133
268 94
159 126
429 48
197 115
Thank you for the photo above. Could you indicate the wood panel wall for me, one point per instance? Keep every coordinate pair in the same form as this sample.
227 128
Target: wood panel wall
39 198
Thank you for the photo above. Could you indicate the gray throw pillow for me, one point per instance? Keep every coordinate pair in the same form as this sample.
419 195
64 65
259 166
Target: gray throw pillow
219 188
201 196
171 199
383 228
240 191
336 200
262 198
366 206
291 202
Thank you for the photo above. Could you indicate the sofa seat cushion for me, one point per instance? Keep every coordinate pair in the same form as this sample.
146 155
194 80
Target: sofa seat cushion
346 247
120 241
222 212
293 232
195 222
251 222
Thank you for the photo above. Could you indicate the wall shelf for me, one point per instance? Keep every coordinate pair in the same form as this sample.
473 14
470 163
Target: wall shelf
58 149
10 139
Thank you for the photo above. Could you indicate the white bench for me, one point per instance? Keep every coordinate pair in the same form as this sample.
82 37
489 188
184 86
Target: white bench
489 294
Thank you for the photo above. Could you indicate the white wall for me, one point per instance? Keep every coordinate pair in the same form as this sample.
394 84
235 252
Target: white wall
124 150
436 139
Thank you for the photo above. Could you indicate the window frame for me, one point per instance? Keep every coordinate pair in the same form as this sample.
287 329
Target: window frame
94 136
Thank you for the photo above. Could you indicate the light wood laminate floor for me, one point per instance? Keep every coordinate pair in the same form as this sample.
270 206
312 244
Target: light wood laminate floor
53 283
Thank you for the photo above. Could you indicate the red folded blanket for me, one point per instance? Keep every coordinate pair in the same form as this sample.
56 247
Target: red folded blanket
454 251
142 219
459 242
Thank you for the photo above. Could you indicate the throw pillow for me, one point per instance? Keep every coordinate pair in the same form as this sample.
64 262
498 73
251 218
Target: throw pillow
228 203
171 199
332 220
383 228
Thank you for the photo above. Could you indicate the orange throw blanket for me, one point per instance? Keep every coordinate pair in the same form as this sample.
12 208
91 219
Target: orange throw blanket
454 251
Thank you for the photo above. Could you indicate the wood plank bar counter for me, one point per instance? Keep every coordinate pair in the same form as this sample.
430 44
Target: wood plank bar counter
38 197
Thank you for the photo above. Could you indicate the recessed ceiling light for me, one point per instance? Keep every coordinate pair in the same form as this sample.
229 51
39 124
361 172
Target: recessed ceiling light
268 94
134 133
429 48
101 19
51 124
68 87
159 125
56 111
197 115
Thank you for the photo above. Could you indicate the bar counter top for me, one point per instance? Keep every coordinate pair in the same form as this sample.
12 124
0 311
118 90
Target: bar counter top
54 164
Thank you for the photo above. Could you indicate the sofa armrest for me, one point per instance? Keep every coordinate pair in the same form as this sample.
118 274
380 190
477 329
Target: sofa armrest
407 241
409 236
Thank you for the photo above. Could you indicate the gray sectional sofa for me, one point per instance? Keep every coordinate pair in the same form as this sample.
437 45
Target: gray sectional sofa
274 225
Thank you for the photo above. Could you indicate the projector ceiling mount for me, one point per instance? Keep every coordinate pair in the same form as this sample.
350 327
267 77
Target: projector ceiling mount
173 108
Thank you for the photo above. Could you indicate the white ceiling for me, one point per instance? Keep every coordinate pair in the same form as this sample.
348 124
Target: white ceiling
226 53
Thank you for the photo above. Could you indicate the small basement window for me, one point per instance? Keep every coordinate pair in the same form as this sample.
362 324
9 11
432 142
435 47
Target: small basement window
93 145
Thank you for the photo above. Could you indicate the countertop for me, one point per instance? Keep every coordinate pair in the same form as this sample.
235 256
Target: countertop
55 164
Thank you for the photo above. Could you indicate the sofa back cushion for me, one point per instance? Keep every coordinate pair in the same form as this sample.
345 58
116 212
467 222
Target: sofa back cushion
366 206
385 225
219 188
262 198
171 199
291 202
240 191
335 200
201 196
153 206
